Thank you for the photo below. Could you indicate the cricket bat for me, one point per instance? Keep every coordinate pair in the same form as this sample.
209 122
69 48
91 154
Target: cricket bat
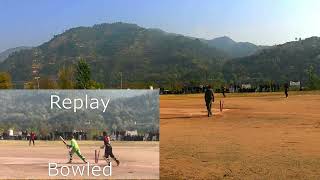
63 141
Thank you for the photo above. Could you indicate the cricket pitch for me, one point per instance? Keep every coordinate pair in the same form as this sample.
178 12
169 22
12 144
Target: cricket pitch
19 161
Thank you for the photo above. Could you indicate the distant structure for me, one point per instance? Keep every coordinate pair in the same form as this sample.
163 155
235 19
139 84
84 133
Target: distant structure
36 68
245 86
10 132
35 64
295 85
131 133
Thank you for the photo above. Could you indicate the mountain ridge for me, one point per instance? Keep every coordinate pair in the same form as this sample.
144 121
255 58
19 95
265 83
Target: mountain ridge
233 48
143 55
6 53
146 56
282 63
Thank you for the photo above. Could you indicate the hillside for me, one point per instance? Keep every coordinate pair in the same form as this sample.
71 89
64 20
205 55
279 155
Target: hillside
285 62
154 57
232 48
5 54
147 56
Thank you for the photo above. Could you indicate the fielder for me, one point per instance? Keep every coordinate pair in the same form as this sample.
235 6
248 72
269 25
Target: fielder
223 91
32 138
286 88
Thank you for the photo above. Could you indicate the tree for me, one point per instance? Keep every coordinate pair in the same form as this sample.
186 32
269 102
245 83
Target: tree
83 74
314 80
46 83
29 85
95 85
5 80
66 78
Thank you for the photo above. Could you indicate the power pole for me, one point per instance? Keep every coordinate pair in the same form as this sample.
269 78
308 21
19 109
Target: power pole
37 78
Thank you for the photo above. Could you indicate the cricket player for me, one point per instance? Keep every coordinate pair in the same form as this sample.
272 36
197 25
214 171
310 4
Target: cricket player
209 98
74 148
286 88
32 138
108 149
223 91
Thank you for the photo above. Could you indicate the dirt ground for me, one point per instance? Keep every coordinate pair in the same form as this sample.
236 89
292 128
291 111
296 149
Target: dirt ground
257 136
18 160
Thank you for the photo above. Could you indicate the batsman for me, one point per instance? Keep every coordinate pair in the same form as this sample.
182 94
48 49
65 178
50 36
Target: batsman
108 149
74 148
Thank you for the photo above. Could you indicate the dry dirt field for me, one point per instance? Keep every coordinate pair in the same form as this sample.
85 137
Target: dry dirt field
18 160
258 136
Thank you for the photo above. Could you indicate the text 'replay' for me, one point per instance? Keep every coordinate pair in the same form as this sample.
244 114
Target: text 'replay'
78 103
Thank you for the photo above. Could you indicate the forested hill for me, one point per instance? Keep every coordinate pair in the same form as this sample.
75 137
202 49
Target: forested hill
234 49
5 54
142 55
289 61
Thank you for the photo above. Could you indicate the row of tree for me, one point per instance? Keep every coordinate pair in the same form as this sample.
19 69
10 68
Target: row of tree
69 77
79 77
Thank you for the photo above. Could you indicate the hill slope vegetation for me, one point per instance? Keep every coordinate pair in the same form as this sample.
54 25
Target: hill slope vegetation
234 49
142 55
289 61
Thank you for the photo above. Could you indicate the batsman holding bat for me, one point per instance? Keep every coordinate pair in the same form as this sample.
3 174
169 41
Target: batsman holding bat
108 149
74 148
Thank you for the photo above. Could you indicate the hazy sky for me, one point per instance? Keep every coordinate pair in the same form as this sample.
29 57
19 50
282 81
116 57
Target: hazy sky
265 22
